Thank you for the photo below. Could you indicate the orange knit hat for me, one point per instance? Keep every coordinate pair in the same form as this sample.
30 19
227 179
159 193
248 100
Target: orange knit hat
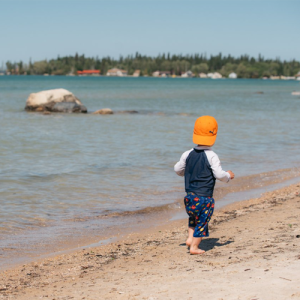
205 131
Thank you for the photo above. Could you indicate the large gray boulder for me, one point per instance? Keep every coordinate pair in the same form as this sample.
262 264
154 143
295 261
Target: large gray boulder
57 100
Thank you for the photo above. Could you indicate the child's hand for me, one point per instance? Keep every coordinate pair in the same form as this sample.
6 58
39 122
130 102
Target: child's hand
231 174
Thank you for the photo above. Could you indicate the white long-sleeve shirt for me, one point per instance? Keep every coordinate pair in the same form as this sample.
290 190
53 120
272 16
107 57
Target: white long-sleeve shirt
213 160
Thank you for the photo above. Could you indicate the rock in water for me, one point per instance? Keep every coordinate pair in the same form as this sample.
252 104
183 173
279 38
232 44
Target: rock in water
67 107
57 100
103 111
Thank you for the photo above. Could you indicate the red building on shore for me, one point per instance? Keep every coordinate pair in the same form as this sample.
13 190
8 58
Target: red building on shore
88 72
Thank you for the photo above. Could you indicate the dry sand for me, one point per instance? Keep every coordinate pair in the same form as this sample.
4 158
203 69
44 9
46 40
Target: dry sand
253 252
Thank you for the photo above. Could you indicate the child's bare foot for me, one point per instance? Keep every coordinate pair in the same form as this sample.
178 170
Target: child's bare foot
194 248
196 251
189 242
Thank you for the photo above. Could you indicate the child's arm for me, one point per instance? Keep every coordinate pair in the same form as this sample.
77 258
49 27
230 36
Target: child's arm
179 168
216 167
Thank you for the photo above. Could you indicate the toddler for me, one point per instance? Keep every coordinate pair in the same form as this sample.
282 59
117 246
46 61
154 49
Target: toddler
201 167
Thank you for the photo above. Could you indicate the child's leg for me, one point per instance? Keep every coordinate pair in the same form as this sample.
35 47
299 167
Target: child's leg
190 237
191 229
194 248
201 228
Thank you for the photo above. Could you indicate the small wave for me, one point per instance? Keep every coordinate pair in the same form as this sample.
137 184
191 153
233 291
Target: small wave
108 214
49 175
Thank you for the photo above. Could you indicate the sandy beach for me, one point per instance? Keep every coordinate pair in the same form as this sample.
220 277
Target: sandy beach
252 253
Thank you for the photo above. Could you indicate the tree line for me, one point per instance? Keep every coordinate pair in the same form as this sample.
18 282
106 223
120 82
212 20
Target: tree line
244 66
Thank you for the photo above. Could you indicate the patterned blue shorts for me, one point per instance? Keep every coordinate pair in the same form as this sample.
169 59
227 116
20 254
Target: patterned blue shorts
200 211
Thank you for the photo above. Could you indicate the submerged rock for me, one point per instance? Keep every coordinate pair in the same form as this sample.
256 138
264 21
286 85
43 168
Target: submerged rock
67 107
103 111
57 100
128 112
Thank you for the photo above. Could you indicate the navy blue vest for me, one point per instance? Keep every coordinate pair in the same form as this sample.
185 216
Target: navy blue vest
198 175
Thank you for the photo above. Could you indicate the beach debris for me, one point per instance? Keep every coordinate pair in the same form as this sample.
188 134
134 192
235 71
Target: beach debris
296 93
285 278
33 274
86 267
56 100
103 111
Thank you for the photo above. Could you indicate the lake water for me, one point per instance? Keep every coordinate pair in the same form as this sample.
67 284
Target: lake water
58 167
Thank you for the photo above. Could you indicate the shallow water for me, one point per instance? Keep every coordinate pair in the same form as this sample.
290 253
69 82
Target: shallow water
60 167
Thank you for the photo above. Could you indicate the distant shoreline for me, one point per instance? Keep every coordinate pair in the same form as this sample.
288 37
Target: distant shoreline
164 65
130 76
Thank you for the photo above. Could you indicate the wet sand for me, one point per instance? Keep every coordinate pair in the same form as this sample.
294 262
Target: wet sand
252 253
73 234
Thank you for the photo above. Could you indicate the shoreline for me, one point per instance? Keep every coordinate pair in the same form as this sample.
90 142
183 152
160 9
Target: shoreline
40 246
276 78
255 240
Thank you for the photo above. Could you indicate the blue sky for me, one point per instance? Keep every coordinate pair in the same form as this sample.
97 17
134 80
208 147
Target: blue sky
43 29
